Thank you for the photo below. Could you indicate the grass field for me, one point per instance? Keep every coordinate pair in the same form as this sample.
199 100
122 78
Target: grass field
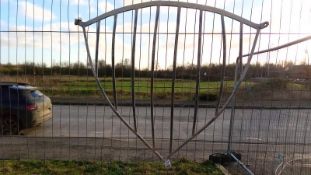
180 167
85 86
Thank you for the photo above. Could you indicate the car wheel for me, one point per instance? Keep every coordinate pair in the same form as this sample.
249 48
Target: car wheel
9 126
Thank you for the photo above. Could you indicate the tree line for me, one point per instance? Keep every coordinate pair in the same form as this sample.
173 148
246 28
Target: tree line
210 72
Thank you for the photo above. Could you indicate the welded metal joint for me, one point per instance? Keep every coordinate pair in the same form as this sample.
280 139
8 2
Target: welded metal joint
78 21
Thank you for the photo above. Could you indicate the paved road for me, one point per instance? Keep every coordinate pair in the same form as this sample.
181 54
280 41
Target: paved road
255 125
265 137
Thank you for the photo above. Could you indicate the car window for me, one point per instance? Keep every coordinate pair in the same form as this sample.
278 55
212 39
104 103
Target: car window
11 96
4 95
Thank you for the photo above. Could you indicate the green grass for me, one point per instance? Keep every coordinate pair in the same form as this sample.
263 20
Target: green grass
85 86
162 88
180 167
141 85
67 86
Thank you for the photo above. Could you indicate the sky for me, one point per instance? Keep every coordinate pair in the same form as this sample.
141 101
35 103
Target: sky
43 32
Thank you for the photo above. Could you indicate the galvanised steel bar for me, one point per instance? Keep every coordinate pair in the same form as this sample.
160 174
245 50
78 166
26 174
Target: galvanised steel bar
241 47
210 62
186 31
103 93
231 32
167 33
114 91
238 67
281 46
133 71
248 171
96 47
152 74
51 58
174 4
224 56
197 86
97 44
173 80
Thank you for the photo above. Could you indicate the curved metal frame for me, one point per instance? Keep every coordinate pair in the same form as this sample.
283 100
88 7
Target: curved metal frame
179 5
174 4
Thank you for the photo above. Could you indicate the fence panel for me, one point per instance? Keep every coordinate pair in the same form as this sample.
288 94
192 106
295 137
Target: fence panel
40 45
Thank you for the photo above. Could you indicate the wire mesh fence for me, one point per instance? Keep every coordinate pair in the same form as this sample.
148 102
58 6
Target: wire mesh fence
267 121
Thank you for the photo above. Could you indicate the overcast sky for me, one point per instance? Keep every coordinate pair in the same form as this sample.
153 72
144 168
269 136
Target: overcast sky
43 31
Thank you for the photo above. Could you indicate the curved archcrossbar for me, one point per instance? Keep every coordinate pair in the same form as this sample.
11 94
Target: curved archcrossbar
179 5
173 4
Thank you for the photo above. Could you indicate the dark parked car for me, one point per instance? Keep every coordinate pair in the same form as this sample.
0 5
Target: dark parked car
22 106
